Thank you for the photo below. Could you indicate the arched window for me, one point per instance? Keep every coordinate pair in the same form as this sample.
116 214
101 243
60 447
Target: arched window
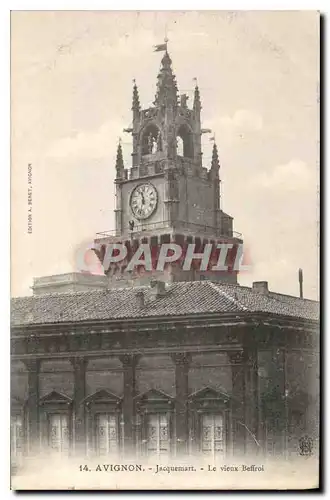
184 142
151 140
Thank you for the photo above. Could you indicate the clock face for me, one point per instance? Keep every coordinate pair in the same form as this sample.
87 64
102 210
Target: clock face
143 201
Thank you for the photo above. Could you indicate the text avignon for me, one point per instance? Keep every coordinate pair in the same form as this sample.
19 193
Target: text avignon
119 468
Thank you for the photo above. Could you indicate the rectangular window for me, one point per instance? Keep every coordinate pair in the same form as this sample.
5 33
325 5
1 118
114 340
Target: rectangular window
158 439
212 434
58 435
106 433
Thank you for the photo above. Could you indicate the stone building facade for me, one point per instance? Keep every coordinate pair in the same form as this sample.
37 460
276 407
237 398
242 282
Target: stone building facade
197 367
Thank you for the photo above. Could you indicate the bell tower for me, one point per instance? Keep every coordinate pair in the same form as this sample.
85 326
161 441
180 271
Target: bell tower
167 195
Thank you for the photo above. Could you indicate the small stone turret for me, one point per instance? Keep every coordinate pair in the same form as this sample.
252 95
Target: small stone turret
197 101
135 101
119 162
215 165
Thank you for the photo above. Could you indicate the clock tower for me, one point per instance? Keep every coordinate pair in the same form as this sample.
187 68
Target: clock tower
167 195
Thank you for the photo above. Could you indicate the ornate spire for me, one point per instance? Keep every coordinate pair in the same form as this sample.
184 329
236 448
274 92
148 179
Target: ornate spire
197 98
119 160
167 90
215 165
136 100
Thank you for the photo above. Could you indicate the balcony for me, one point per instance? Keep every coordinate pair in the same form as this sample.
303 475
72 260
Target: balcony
177 226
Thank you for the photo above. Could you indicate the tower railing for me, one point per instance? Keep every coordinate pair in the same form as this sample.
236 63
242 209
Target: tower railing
177 226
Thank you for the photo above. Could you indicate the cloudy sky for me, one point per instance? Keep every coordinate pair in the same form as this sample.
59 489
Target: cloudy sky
71 97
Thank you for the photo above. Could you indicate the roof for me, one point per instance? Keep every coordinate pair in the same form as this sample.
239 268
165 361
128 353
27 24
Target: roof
180 299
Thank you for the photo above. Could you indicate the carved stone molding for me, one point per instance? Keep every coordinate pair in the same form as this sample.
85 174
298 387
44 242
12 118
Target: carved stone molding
181 358
236 357
251 358
79 362
129 360
32 365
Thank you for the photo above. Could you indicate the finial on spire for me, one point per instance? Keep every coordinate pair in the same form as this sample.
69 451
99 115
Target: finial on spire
161 46
167 90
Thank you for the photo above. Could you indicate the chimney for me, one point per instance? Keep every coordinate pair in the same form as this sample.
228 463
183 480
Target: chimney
301 279
260 287
158 288
140 298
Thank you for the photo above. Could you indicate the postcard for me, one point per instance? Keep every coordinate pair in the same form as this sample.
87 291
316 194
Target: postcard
164 248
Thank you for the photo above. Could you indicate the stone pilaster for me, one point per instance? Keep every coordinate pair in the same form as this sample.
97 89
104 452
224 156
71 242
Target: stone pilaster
281 409
238 401
79 364
251 402
33 420
129 365
171 195
118 210
182 362
245 401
